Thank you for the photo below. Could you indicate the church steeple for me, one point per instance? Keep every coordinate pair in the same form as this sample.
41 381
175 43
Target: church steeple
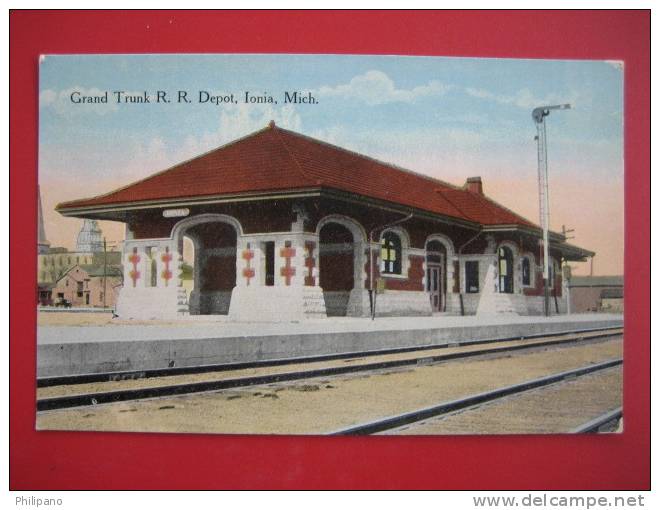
42 243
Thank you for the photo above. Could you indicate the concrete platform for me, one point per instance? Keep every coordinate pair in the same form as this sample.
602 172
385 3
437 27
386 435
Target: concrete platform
68 350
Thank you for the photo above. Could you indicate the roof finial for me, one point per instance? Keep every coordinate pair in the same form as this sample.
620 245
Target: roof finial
271 124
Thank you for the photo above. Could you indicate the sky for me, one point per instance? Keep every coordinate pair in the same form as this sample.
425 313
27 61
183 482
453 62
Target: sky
450 118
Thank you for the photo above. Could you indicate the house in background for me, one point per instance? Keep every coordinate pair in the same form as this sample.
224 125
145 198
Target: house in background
91 286
596 294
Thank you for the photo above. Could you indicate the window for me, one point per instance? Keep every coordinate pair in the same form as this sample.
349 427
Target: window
472 276
526 272
80 289
390 253
269 263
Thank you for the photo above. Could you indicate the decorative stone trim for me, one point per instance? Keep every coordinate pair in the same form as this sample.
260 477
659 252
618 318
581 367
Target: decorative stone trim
310 263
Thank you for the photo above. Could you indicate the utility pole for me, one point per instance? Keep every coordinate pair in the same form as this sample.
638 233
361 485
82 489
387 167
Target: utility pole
538 115
105 271
566 273
565 231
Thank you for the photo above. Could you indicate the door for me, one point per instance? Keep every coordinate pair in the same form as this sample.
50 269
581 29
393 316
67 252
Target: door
506 270
434 286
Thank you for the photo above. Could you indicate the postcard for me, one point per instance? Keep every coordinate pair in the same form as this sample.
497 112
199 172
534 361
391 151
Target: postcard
329 244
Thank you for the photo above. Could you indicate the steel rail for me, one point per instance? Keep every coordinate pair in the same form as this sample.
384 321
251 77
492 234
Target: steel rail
45 382
593 426
86 399
400 420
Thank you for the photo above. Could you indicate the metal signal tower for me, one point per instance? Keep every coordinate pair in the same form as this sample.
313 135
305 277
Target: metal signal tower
539 114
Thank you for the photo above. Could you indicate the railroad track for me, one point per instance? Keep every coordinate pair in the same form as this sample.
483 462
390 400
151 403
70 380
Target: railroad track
44 382
605 421
444 408
122 395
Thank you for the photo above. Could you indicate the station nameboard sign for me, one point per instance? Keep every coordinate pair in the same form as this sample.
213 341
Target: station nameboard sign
176 213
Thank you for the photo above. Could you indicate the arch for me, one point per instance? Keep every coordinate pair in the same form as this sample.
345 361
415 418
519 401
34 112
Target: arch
338 296
359 234
215 241
505 268
401 232
436 274
391 255
531 275
180 227
445 241
511 245
448 270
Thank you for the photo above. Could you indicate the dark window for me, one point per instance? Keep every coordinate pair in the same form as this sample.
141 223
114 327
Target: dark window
526 277
269 250
471 276
390 253
153 280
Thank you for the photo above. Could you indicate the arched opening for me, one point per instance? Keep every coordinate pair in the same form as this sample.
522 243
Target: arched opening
505 257
211 251
436 275
390 253
336 267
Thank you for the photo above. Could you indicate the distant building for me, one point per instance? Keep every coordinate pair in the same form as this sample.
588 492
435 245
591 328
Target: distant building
88 286
53 263
90 238
596 294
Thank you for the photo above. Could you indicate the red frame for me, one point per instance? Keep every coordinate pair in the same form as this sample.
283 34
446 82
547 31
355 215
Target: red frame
67 460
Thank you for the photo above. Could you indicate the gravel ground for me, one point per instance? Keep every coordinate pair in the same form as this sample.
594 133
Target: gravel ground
555 409
54 391
327 404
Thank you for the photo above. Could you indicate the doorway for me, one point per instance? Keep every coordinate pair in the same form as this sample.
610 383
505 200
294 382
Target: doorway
505 256
436 275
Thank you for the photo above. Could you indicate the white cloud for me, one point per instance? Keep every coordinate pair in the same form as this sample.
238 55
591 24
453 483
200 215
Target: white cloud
524 98
375 87
239 120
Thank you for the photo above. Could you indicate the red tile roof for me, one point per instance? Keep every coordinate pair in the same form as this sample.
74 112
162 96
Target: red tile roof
276 159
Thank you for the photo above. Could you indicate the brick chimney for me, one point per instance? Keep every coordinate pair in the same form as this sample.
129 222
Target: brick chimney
474 185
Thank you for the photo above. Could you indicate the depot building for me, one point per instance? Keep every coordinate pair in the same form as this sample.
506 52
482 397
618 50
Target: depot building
284 227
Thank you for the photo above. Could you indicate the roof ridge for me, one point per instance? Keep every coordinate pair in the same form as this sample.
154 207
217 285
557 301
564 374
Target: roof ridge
276 130
376 160
497 204
180 163
441 193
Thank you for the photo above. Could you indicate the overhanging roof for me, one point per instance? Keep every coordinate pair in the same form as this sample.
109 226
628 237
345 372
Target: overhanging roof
278 162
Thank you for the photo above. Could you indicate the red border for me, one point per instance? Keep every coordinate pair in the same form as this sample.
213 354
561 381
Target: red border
50 460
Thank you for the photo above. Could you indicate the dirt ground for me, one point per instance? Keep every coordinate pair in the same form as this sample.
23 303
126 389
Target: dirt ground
326 404
555 409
